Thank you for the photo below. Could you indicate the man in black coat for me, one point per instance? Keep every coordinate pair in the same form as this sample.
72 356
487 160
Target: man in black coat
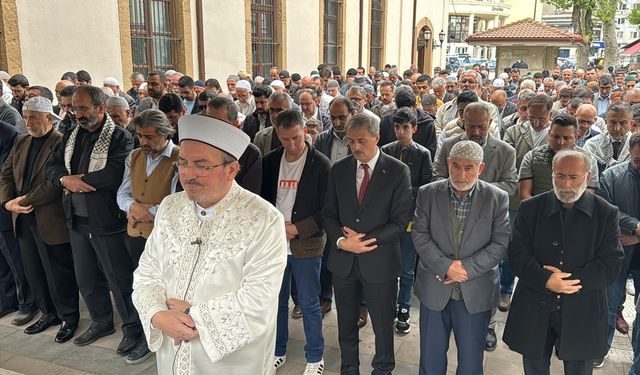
565 252
367 209
294 181
15 293
89 165
250 174
425 135
259 119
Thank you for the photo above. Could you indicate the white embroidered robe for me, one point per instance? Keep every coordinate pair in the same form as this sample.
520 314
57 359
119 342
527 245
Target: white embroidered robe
235 285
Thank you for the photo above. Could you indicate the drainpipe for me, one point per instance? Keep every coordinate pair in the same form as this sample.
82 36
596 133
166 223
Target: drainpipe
200 39
360 33
414 45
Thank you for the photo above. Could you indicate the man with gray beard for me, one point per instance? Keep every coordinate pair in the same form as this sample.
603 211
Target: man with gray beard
565 251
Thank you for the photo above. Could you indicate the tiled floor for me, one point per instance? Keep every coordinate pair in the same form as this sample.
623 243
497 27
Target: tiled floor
39 355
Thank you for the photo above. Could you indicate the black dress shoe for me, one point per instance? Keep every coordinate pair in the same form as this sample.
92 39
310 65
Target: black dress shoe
4 311
92 334
128 343
24 317
42 324
66 332
491 340
140 353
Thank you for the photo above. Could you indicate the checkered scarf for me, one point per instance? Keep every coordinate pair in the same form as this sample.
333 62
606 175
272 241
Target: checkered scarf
100 151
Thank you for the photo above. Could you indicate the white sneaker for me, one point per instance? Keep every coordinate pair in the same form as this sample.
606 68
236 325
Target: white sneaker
279 361
631 290
314 368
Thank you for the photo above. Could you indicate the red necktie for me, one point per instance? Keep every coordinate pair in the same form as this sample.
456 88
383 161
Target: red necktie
364 184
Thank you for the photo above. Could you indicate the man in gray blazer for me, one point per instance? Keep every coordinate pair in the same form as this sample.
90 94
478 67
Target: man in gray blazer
499 170
461 232
499 157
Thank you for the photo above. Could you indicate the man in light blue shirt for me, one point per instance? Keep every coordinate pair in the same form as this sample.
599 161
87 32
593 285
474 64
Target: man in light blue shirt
602 98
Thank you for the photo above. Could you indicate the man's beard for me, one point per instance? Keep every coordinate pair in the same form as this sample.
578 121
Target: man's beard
568 196
87 122
462 186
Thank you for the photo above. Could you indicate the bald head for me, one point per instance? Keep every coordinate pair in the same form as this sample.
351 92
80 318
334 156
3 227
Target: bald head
633 96
585 116
61 85
499 98
586 110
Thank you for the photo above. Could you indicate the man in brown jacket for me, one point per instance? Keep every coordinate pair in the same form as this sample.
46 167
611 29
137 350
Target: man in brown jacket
38 221
294 180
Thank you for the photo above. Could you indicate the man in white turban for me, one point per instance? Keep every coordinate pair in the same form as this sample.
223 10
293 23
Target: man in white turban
208 281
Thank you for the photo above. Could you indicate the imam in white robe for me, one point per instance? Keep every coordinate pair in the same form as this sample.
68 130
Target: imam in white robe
236 276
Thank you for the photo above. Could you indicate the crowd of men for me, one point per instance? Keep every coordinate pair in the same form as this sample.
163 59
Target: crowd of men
379 186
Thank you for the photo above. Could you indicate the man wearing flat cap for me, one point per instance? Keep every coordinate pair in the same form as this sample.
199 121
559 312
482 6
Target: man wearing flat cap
207 284
461 232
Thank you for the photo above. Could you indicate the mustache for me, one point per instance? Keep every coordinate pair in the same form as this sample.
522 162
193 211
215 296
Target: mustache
193 181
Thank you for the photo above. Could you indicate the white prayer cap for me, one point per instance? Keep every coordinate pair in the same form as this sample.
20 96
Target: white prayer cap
117 101
213 132
111 81
504 76
40 104
498 83
170 72
385 74
107 91
277 83
243 84
468 150
4 75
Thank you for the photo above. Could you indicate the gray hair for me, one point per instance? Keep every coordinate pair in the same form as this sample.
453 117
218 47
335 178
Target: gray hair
547 79
154 118
137 75
584 156
364 121
478 106
526 94
438 82
332 84
528 84
635 109
403 89
276 95
357 89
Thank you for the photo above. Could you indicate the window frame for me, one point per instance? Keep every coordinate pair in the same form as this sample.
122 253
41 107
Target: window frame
145 27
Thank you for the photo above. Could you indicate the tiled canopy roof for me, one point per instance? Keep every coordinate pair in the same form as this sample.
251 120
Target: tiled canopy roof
524 30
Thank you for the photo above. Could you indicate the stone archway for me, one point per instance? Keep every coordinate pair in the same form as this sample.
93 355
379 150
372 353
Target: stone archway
423 48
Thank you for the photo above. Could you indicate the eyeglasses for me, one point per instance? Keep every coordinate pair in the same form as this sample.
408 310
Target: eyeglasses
585 122
276 110
199 169
570 177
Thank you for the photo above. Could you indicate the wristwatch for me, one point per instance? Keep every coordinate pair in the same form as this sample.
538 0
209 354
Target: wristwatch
61 184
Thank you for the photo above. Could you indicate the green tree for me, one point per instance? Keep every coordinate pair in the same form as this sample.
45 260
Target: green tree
582 17
634 15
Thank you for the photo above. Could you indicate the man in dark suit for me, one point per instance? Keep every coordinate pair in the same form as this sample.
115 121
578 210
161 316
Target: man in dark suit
250 174
565 252
505 107
366 211
260 118
15 293
37 212
89 165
